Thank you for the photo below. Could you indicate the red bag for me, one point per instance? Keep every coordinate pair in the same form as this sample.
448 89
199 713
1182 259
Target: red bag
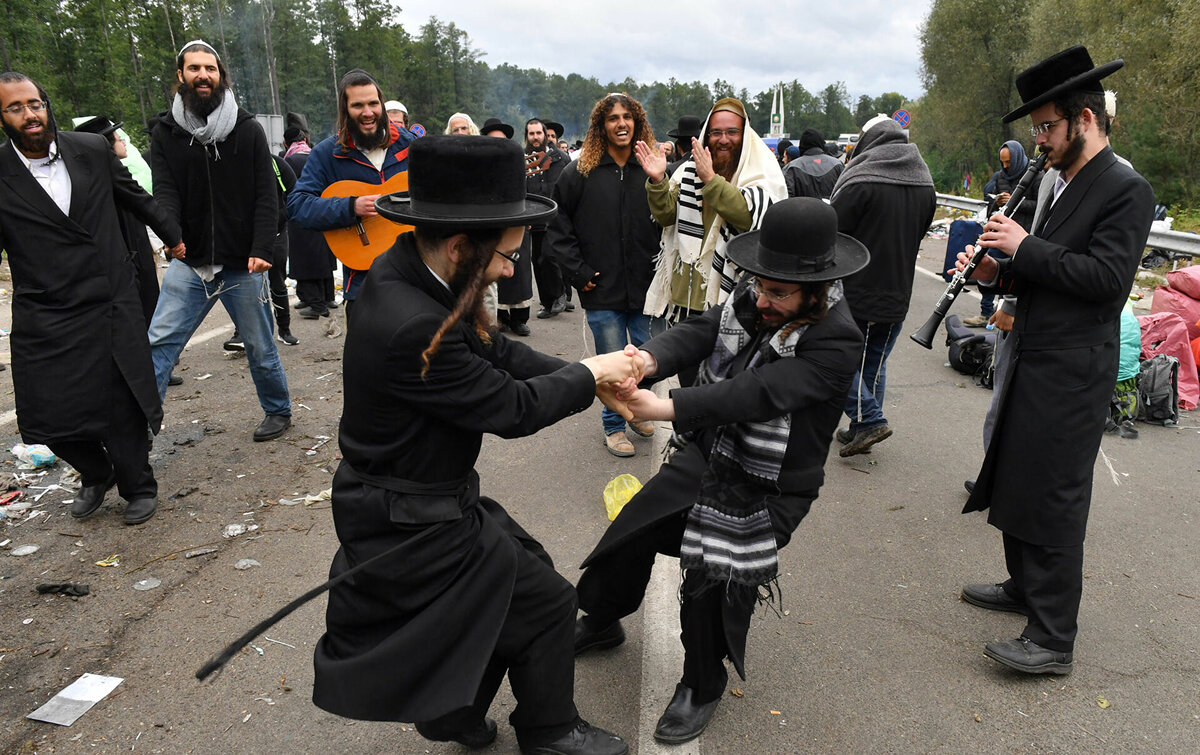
1173 300
1186 280
1166 333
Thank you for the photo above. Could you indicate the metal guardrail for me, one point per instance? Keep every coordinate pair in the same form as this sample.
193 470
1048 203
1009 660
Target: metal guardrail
1172 241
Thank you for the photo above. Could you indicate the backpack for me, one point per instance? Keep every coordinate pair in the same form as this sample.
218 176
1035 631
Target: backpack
970 351
1158 390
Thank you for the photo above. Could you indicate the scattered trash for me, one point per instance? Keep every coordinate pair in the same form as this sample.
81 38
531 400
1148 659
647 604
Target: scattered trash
737 692
205 376
199 552
113 560
776 713
277 642
64 588
27 621
259 650
324 495
290 501
77 698
327 374
11 497
233 530
246 563
47 488
617 493
149 583
25 550
1102 702
321 440
34 456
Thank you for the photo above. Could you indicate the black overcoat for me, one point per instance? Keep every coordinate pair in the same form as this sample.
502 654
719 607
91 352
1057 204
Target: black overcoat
76 311
1071 280
309 257
811 386
408 639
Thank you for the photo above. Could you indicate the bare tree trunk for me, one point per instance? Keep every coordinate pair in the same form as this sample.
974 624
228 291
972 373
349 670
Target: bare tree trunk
221 29
170 30
137 76
268 17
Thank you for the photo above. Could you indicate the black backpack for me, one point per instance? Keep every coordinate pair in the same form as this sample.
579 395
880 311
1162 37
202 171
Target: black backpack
1158 390
970 350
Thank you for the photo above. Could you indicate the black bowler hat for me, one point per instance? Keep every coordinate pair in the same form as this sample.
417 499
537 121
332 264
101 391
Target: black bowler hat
799 242
495 124
689 125
1063 72
466 182
99 125
558 127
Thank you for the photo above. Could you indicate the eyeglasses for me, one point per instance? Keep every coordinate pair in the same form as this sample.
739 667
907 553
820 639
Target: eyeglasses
772 295
718 133
1038 129
35 106
510 257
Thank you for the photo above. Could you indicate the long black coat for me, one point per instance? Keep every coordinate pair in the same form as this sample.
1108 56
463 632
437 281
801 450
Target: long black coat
1071 281
309 257
76 311
408 640
811 386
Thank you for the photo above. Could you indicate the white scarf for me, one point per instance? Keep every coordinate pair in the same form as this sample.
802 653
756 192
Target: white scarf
208 131
688 243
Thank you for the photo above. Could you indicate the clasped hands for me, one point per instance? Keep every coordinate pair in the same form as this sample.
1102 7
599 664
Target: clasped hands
617 376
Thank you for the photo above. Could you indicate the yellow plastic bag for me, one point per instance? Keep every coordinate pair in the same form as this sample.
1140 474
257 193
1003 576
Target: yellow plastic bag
617 493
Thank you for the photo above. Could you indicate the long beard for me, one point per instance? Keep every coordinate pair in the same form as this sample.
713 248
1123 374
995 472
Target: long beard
34 144
725 163
367 142
201 107
1071 152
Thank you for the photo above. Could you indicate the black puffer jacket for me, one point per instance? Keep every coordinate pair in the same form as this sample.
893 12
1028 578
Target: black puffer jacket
224 196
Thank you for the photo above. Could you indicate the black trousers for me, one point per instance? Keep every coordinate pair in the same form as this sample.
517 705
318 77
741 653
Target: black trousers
277 279
546 271
1049 580
124 451
536 648
315 293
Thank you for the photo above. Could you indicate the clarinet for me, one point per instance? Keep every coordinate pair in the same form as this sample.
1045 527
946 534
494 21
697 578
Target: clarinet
924 336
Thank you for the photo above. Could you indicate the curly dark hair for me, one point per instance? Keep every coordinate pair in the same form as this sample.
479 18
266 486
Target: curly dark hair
595 144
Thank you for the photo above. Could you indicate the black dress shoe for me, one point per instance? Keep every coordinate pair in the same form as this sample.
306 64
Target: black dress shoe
90 497
970 486
140 509
588 637
1024 654
684 719
174 380
301 305
584 739
272 426
311 314
480 734
992 597
519 328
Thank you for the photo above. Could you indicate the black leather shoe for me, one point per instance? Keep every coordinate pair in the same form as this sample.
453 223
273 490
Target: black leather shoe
589 638
90 497
519 328
481 734
844 435
174 380
301 305
1024 654
140 509
992 597
684 719
584 739
272 426
970 486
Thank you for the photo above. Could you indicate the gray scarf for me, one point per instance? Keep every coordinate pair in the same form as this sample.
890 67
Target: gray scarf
884 156
208 131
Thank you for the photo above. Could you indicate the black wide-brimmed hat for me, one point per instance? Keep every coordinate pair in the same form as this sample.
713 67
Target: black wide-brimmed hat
99 125
689 125
799 242
466 182
1063 72
495 124
558 127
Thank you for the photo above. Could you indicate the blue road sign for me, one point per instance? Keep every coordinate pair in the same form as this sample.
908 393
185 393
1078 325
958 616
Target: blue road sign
901 117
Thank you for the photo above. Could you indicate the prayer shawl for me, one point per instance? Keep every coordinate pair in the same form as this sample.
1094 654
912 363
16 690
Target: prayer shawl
884 156
686 243
728 536
208 131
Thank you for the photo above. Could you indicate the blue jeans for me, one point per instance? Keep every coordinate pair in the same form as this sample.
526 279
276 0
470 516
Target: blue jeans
612 329
182 305
864 402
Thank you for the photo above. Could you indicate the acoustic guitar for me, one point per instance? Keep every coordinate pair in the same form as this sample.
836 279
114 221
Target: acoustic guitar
358 245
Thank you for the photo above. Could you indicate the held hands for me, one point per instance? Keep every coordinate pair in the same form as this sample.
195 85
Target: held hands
654 162
703 159
617 372
364 207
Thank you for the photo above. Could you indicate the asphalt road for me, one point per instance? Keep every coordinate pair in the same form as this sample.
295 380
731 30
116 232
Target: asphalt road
872 652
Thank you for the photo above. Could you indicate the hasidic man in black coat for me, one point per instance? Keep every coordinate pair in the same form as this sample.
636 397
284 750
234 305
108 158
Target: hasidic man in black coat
1071 277
82 375
775 361
428 633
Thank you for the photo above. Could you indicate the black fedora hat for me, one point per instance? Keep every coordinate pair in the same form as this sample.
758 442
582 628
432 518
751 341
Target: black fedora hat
466 182
495 124
799 242
689 125
99 125
558 127
1063 72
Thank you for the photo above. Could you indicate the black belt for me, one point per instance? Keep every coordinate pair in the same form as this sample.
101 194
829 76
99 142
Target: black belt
421 502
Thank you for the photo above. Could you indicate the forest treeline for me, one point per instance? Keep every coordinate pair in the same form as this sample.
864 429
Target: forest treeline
116 58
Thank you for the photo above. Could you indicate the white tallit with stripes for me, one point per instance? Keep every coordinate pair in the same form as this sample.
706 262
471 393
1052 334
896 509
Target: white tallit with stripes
687 242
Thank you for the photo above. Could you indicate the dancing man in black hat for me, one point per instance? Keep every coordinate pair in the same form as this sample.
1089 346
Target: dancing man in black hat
776 360
463 594
1071 276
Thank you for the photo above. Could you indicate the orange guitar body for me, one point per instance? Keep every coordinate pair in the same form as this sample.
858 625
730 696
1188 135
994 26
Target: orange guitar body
347 244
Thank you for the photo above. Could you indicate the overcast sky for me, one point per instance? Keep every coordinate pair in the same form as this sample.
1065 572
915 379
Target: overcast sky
871 45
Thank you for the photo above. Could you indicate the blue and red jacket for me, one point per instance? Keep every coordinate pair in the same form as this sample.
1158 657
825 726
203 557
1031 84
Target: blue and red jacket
329 163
